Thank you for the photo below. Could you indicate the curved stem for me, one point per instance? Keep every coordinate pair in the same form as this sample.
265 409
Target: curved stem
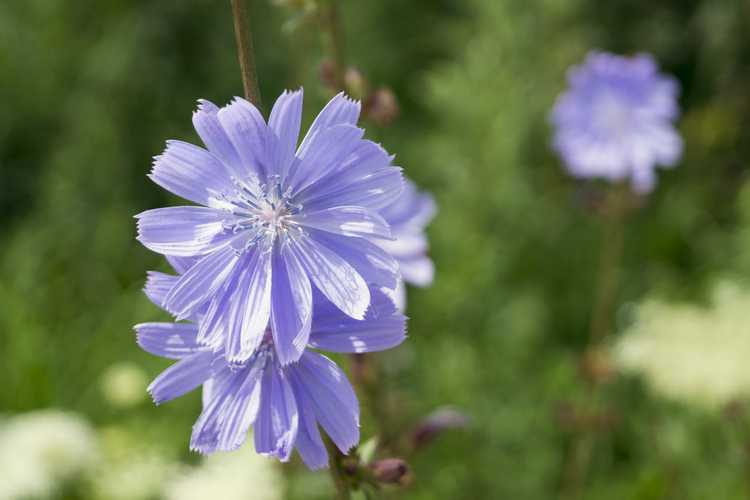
244 40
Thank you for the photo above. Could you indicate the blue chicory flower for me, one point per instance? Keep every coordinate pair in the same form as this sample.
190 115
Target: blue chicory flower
274 218
408 217
616 120
285 403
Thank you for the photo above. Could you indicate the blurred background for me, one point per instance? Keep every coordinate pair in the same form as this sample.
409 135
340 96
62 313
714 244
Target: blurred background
498 345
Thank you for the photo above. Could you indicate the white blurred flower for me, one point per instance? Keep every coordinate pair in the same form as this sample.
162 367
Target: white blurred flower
237 475
129 470
139 478
41 449
697 355
124 385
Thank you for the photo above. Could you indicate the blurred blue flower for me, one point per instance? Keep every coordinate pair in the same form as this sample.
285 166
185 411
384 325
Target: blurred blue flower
284 403
616 120
274 218
408 217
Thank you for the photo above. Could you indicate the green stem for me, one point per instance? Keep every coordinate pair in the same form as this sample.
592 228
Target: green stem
244 40
609 264
602 324
338 474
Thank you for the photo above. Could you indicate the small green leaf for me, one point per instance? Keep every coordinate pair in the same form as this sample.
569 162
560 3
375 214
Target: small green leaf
367 450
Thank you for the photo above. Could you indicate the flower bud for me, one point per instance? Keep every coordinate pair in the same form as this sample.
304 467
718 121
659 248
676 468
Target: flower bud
382 107
392 471
327 73
436 423
355 83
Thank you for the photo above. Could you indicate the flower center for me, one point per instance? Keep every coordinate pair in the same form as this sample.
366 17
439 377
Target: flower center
260 210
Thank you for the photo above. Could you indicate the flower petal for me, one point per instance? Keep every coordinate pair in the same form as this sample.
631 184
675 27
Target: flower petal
251 306
412 210
182 377
182 231
213 135
230 407
366 159
247 131
333 276
181 264
168 340
158 286
285 119
190 172
397 295
309 443
291 301
339 110
418 270
200 282
346 220
374 191
406 245
278 420
326 153
383 327
373 263
212 326
330 396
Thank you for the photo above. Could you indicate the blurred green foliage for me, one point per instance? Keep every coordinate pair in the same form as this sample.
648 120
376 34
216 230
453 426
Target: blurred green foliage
92 90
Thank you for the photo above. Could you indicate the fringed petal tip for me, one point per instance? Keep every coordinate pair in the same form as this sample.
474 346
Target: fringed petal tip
347 447
239 360
206 106
157 401
210 448
241 101
200 450
349 100
286 92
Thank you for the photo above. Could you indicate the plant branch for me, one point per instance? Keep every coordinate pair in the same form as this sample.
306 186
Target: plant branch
244 40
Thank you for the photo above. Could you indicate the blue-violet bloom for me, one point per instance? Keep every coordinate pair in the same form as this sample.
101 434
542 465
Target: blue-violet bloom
615 121
408 217
274 219
285 403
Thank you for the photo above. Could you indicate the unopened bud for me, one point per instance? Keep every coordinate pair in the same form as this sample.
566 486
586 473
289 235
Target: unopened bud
382 107
392 471
436 423
355 83
327 73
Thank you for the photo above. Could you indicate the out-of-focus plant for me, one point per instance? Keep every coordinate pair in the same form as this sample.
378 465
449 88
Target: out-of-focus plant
695 354
123 385
130 468
42 451
238 475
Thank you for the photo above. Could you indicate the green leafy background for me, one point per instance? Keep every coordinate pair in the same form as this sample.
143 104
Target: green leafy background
91 90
